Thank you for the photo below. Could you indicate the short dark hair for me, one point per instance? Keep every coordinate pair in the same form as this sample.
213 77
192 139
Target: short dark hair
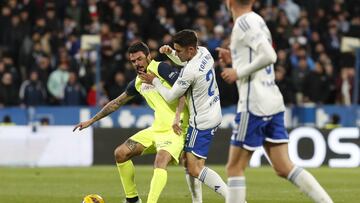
139 46
186 38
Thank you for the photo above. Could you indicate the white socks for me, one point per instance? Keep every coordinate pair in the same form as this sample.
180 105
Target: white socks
298 176
194 187
237 190
308 185
213 181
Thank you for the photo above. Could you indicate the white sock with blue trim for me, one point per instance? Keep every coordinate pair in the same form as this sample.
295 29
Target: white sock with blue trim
237 189
213 181
194 187
308 185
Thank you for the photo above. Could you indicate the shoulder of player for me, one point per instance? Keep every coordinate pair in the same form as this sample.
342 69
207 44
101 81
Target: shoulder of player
163 64
247 22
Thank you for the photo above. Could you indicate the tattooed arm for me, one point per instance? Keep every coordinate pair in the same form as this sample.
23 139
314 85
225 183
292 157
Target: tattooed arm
110 107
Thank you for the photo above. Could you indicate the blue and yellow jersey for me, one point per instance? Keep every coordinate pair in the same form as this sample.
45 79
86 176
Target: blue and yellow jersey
164 112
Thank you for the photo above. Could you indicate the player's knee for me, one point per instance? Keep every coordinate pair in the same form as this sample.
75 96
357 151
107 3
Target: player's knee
121 155
162 160
281 172
193 170
234 170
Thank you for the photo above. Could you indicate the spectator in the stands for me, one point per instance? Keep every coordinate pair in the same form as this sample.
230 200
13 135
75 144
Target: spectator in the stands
57 82
9 93
298 76
334 122
285 85
32 91
117 86
292 10
74 92
38 35
300 53
6 121
316 85
44 121
344 85
215 40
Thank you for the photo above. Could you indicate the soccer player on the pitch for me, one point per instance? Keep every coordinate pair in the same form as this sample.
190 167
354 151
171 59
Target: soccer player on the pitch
197 80
260 117
159 138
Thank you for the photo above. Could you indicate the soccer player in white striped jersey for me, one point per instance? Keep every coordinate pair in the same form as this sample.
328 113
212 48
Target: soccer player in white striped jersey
197 80
260 112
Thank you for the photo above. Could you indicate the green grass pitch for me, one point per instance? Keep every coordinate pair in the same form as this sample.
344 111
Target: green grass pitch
69 185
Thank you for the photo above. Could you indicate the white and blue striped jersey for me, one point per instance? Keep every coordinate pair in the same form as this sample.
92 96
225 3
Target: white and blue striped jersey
198 77
258 92
197 80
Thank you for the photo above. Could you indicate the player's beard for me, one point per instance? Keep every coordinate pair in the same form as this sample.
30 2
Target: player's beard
140 69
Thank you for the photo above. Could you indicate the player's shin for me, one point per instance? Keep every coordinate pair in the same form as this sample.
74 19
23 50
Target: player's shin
213 180
194 187
308 185
237 190
158 183
127 175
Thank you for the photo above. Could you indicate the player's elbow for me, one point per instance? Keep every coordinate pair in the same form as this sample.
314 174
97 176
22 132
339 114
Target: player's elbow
272 57
169 98
268 54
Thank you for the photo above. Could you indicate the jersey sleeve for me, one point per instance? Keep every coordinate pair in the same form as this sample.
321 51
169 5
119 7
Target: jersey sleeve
179 88
185 79
250 33
131 90
168 73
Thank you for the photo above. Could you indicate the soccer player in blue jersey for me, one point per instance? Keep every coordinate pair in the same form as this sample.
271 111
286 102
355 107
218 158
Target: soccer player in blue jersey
197 81
260 113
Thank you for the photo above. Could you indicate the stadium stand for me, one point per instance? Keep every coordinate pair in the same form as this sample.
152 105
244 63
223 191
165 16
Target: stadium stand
43 38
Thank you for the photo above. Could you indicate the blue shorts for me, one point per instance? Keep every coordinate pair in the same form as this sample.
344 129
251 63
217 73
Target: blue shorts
198 141
251 131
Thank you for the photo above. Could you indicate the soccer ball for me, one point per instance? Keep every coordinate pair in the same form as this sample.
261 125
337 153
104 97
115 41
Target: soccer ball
93 198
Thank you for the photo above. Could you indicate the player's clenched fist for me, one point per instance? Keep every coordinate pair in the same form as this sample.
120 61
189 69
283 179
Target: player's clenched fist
165 49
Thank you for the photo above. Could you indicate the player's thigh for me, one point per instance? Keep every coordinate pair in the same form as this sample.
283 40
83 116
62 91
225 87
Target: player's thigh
279 157
171 143
193 160
238 160
133 147
146 138
127 150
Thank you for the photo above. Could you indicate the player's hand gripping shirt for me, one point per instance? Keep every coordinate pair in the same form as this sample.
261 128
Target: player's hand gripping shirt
258 92
197 79
164 112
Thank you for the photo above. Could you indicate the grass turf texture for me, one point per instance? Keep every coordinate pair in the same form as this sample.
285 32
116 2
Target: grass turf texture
70 185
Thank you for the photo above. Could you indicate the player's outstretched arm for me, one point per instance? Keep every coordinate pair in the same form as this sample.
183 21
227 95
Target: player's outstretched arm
179 109
170 53
110 107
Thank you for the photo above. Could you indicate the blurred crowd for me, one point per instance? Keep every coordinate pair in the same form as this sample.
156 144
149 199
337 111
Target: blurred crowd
42 63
